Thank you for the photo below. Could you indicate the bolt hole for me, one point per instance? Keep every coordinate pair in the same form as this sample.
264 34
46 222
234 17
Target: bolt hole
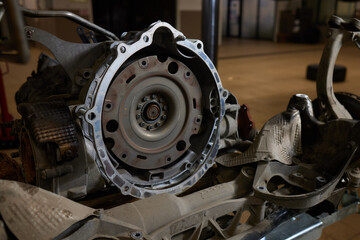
173 68
162 58
225 94
109 143
168 159
91 116
108 105
146 38
143 63
124 155
130 78
198 45
194 103
112 125
181 145
198 120
86 74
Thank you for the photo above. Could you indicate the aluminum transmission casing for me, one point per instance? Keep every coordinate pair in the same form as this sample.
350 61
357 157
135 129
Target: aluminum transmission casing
146 109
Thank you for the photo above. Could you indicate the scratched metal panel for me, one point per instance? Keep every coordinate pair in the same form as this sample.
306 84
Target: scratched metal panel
32 213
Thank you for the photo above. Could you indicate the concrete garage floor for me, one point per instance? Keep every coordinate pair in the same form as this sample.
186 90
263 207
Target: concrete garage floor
261 74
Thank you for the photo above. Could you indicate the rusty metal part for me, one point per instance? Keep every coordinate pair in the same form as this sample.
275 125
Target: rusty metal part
51 122
27 158
10 169
246 125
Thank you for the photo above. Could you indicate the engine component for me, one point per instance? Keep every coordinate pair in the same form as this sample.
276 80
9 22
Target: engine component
138 106
148 114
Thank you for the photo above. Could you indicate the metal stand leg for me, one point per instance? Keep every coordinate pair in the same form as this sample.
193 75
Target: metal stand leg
210 28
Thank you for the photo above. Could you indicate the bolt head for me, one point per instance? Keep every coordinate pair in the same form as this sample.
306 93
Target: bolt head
142 124
164 117
149 127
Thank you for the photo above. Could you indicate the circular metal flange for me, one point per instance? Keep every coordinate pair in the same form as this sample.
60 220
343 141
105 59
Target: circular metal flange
151 110
179 174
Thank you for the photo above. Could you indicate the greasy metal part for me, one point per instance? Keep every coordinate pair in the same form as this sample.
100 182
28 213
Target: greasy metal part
9 169
51 122
210 29
246 125
13 46
50 81
330 107
27 158
72 17
43 166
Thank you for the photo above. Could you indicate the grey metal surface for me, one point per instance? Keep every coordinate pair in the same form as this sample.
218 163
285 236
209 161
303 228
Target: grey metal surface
44 214
330 107
13 45
199 157
287 184
72 17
